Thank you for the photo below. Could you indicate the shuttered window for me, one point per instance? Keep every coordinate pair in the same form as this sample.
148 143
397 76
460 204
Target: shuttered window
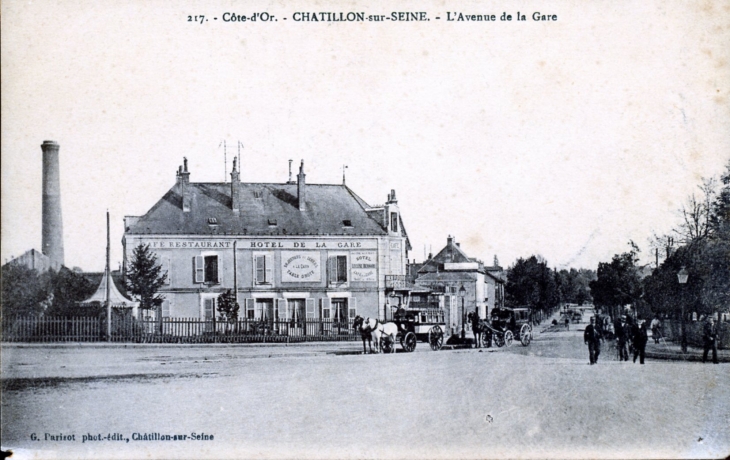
166 268
310 308
352 308
250 312
337 269
206 269
165 308
209 308
263 266
199 269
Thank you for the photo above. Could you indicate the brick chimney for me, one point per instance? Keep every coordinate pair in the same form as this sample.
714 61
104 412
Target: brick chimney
183 181
301 189
235 189
52 244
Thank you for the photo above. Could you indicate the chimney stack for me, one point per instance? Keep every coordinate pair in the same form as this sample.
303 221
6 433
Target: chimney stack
301 189
183 179
52 244
235 189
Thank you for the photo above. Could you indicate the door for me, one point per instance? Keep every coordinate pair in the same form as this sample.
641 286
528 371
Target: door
340 313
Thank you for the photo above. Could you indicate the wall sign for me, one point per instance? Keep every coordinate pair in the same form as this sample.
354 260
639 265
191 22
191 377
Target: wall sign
300 267
363 265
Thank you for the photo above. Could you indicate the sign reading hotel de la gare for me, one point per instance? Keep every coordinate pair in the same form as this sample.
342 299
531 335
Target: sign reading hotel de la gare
302 265
204 243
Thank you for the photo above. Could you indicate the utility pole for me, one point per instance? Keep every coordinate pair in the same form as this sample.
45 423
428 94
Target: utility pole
108 286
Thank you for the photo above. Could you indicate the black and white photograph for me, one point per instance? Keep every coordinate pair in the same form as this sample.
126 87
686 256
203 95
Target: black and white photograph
365 230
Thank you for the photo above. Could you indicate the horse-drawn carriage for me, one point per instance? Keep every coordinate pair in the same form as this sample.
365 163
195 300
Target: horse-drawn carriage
506 325
407 327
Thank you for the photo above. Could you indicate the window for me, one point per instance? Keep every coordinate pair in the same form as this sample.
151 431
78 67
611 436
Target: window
263 266
337 269
347 223
393 221
166 264
250 312
206 269
165 308
209 308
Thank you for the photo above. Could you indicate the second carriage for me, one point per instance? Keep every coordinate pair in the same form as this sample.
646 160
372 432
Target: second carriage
508 325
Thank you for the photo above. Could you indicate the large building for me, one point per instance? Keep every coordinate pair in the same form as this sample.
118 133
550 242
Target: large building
451 270
291 250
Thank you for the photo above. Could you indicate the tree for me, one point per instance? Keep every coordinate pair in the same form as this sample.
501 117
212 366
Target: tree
27 292
573 285
617 282
23 290
144 278
227 306
531 282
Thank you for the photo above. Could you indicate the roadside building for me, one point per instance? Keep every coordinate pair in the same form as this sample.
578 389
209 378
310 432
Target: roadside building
288 250
450 270
35 260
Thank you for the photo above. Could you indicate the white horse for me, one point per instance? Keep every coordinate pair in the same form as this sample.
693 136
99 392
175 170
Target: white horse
379 331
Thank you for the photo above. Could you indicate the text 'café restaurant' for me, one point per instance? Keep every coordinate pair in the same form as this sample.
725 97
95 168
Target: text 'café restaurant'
292 250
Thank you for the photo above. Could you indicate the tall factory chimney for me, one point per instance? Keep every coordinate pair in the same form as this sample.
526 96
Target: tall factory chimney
52 244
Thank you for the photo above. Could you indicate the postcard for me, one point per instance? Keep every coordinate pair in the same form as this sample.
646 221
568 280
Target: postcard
350 229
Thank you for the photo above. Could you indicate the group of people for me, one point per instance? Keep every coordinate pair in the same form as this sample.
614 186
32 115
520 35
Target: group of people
632 334
626 333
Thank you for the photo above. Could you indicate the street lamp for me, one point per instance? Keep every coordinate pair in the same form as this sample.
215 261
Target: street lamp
462 294
682 276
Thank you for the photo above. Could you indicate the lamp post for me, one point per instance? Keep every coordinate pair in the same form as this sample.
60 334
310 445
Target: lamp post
462 294
682 276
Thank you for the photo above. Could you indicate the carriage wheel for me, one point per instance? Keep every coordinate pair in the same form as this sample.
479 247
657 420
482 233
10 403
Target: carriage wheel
387 344
508 338
499 339
436 338
409 342
525 334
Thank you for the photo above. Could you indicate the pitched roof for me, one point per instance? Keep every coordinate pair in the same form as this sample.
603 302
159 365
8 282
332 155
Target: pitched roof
266 209
451 253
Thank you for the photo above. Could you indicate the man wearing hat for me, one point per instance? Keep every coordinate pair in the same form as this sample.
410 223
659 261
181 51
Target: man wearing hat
709 337
592 338
639 340
622 335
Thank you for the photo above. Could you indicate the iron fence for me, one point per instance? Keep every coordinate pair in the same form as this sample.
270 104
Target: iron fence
175 330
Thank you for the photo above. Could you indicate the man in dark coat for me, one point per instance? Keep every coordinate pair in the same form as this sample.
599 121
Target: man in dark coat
709 337
640 339
592 338
622 335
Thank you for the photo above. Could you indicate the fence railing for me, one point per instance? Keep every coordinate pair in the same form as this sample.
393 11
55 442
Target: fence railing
175 330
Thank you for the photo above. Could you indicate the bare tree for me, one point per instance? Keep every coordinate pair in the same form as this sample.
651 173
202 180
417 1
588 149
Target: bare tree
696 213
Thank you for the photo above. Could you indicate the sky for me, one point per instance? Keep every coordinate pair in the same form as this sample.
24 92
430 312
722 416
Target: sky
565 139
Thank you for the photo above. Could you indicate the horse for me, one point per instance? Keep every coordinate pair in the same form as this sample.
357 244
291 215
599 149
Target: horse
380 330
365 332
476 327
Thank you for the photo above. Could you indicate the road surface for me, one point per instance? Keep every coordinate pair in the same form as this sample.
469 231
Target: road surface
322 401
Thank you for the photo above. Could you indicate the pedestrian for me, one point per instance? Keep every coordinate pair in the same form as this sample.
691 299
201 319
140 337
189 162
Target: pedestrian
709 337
640 339
655 325
592 338
622 335
567 323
